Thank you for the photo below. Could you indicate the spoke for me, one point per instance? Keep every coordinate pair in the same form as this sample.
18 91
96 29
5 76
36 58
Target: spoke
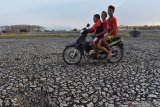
117 54
72 55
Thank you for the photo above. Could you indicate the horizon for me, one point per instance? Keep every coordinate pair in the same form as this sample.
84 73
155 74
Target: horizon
67 28
69 13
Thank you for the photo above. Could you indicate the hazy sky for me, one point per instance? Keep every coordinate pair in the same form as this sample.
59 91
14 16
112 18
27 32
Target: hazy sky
77 13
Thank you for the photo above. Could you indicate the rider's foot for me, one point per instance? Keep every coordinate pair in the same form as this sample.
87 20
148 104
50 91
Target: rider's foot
110 55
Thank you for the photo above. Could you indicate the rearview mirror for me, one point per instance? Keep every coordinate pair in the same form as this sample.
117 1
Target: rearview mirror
88 25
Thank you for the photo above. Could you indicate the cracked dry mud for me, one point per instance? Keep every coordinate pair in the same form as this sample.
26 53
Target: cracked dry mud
33 74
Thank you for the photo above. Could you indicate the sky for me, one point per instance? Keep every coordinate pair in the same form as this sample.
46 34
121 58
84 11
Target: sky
77 13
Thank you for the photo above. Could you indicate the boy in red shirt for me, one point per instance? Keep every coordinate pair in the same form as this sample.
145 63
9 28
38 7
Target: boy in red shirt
98 28
104 21
112 23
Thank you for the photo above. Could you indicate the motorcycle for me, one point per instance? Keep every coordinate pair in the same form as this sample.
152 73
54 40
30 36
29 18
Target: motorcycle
73 53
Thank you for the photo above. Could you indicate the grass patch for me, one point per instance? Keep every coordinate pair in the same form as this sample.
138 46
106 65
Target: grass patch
123 35
14 35
55 35
151 36
20 35
25 35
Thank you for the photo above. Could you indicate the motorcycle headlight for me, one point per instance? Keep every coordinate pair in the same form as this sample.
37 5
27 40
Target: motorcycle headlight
81 31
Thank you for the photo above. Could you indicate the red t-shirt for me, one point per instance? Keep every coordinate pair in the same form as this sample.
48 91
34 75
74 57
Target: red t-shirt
105 25
95 26
112 24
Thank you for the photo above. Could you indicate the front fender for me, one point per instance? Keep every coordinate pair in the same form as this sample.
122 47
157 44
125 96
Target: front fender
77 46
72 45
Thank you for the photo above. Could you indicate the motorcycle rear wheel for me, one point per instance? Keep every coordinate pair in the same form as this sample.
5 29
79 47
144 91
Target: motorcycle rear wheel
117 52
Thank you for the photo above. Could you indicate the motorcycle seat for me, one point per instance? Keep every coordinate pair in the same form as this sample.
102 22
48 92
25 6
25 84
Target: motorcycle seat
116 38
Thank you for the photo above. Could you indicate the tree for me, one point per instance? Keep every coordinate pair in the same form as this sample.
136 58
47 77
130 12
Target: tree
4 31
23 30
75 30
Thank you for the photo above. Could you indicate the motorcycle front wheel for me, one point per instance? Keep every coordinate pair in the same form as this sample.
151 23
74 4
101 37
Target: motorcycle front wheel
71 55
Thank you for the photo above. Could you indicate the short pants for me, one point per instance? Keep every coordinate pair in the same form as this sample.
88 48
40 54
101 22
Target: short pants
97 39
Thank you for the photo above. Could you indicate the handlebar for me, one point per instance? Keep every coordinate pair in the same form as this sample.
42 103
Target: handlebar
93 36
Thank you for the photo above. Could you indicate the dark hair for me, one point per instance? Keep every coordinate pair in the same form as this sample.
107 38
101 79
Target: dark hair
104 12
97 16
111 7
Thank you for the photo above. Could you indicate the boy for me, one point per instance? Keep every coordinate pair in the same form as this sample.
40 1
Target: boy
97 28
104 21
111 27
112 24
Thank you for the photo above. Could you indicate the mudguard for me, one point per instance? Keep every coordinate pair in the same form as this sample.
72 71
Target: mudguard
120 44
77 46
72 45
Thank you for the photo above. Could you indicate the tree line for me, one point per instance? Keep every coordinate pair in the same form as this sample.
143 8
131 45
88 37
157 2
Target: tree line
21 28
145 27
37 28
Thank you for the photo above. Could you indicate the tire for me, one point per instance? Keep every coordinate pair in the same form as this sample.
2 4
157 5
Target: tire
76 53
113 59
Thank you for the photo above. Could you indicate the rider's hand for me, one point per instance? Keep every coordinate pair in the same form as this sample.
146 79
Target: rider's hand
88 30
93 36
96 35
106 34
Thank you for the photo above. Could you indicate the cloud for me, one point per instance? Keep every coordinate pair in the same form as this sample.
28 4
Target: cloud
76 13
